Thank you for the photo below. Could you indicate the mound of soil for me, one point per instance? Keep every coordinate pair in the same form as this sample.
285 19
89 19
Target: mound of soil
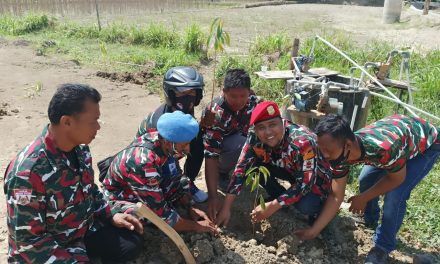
140 78
5 112
272 241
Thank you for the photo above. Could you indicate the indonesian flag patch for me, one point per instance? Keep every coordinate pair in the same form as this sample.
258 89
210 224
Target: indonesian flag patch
22 196
308 164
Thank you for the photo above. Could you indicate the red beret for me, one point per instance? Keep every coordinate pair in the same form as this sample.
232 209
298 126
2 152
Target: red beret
264 111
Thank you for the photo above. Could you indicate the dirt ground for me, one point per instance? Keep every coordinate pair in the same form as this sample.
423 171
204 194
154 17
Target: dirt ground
23 107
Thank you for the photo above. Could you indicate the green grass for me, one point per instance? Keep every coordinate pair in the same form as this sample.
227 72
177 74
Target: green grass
16 26
270 44
153 43
194 39
154 35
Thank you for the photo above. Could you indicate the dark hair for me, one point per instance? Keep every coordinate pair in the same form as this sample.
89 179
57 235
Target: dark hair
69 99
336 126
237 78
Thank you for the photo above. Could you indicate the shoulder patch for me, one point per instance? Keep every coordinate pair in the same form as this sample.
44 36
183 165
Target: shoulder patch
309 164
22 196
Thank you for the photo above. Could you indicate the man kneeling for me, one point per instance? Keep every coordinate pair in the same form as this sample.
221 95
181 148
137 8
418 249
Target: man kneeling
146 171
289 152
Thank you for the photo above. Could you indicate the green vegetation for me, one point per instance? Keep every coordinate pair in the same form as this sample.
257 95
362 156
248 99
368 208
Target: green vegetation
115 43
253 179
16 26
193 39
216 42
164 47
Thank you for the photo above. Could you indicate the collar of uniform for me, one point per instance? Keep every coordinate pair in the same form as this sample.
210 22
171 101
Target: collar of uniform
57 155
361 146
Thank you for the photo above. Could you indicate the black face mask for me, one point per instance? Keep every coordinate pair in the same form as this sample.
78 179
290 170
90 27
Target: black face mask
339 160
185 103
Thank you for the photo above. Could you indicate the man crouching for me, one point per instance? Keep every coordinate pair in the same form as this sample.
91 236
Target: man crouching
55 212
289 153
146 171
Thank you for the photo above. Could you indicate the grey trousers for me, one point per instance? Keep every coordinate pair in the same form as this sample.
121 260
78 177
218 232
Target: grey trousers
232 146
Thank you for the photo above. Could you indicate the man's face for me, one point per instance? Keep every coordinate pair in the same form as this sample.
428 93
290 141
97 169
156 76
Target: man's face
182 148
236 98
330 148
83 126
270 132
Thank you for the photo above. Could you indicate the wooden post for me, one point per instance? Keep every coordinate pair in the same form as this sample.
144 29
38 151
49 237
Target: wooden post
426 7
97 15
295 49
392 10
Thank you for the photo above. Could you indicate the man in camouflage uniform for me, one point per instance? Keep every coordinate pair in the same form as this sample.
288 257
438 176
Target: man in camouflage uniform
55 212
183 90
398 152
289 153
146 171
225 136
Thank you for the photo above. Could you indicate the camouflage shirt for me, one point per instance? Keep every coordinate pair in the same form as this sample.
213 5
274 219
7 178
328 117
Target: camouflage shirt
226 123
51 203
297 154
390 142
143 172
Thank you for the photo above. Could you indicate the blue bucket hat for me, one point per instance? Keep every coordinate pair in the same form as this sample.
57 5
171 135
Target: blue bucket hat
177 127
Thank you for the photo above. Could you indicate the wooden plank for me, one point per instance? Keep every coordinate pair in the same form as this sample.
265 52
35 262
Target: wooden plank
322 71
304 118
396 84
269 3
276 75
288 74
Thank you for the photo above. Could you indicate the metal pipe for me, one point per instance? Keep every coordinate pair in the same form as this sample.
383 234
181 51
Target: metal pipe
340 85
367 73
366 66
405 105
351 75
297 70
312 50
327 84
353 116
308 82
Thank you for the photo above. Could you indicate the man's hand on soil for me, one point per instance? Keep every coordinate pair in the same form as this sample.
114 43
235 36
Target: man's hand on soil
205 226
258 214
127 221
306 233
223 217
212 209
